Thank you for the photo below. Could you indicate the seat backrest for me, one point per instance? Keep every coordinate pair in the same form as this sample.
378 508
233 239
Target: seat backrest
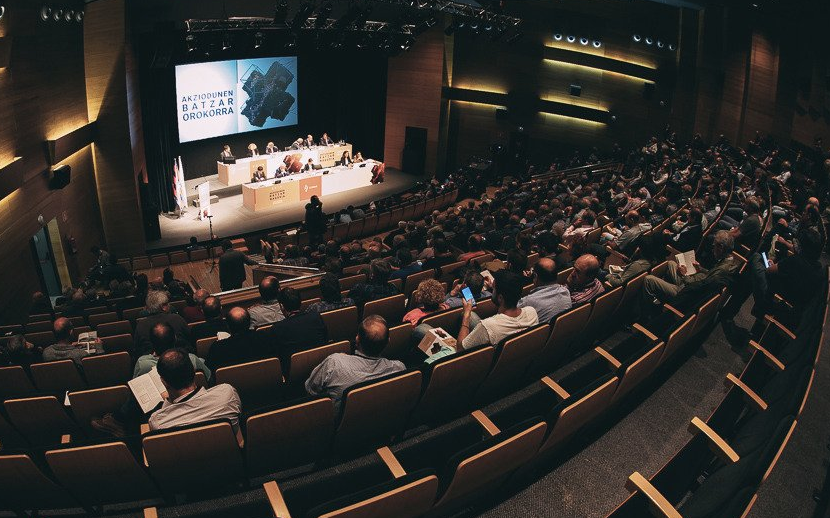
132 314
258 382
304 305
632 291
564 330
485 308
303 362
347 283
293 435
203 346
159 260
107 369
659 269
390 308
101 474
341 323
91 404
482 470
141 263
41 339
638 370
678 338
415 279
706 314
562 277
102 318
603 309
399 342
410 496
447 272
577 412
484 258
194 458
449 320
39 327
119 327
25 487
42 419
354 269
460 374
57 376
40 317
393 397
117 343
178 257
514 357
15 382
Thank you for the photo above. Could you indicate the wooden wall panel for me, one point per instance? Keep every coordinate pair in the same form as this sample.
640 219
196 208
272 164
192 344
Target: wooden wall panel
413 97
105 44
44 96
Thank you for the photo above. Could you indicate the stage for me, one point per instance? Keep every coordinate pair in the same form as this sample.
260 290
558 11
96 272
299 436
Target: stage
230 218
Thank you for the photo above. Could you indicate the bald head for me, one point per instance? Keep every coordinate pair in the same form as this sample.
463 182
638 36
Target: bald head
212 307
162 337
239 320
200 295
586 268
545 270
812 200
269 288
372 335
62 327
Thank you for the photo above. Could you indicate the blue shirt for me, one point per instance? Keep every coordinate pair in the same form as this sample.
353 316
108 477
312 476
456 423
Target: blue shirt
548 301
457 302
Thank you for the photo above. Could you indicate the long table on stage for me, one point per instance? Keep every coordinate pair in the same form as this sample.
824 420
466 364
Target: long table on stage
243 170
302 186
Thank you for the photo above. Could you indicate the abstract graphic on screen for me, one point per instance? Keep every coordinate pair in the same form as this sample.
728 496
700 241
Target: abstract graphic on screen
266 94
227 97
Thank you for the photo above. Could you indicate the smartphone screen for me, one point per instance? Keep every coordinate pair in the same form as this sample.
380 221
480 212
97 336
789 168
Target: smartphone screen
766 261
468 295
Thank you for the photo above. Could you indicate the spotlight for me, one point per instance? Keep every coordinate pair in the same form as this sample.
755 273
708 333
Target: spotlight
57 15
637 38
323 15
292 42
659 44
69 15
280 11
583 41
190 41
2 10
407 43
613 118
672 47
226 41
571 39
79 16
557 36
649 41
45 13
597 44
258 39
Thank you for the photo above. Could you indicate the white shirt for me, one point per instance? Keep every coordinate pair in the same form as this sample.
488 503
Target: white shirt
219 402
493 330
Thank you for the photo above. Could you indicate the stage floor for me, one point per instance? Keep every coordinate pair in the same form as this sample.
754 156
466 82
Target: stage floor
230 218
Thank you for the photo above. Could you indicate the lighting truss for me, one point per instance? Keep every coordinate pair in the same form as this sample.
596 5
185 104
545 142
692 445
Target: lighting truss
265 24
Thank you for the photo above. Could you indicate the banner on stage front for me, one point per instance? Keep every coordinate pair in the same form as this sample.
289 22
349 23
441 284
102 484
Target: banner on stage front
204 200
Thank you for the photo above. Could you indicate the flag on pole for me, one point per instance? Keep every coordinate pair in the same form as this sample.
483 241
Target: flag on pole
181 190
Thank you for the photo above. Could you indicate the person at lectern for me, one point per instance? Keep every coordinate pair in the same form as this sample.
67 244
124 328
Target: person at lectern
309 142
252 150
325 140
346 158
226 152
270 148
259 175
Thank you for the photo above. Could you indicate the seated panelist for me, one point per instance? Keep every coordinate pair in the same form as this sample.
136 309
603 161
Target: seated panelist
281 171
309 142
325 140
346 158
252 150
259 175
297 144
309 166
270 148
226 152
358 158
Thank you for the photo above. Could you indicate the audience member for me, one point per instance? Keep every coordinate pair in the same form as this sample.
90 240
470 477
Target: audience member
214 323
547 297
243 345
377 286
583 282
65 348
298 331
163 338
158 309
15 350
330 296
430 296
268 311
192 311
473 280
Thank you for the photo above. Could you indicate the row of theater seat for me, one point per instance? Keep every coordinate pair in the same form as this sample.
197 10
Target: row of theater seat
301 431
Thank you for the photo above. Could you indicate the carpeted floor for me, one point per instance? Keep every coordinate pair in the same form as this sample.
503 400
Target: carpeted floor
642 436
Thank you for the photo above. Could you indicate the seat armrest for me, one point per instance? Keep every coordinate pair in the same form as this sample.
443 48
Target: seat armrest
648 334
658 503
276 500
716 443
769 358
485 422
750 396
548 382
391 462
608 357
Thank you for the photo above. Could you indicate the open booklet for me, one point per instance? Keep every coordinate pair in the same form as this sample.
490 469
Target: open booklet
687 259
148 390
434 340
88 340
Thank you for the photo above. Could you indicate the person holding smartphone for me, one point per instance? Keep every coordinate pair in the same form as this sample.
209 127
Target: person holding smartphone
472 281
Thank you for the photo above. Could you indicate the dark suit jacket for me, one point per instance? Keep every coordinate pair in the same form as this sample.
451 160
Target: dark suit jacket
208 329
688 238
297 333
246 347
232 269
141 336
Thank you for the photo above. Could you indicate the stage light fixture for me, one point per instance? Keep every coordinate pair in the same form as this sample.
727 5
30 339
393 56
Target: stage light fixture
597 44
280 12
407 43
258 37
583 41
672 47
2 10
323 15
301 16
45 13
226 41
79 16
557 36
292 42
637 38
190 41
57 15
69 15
649 41
659 44
571 38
